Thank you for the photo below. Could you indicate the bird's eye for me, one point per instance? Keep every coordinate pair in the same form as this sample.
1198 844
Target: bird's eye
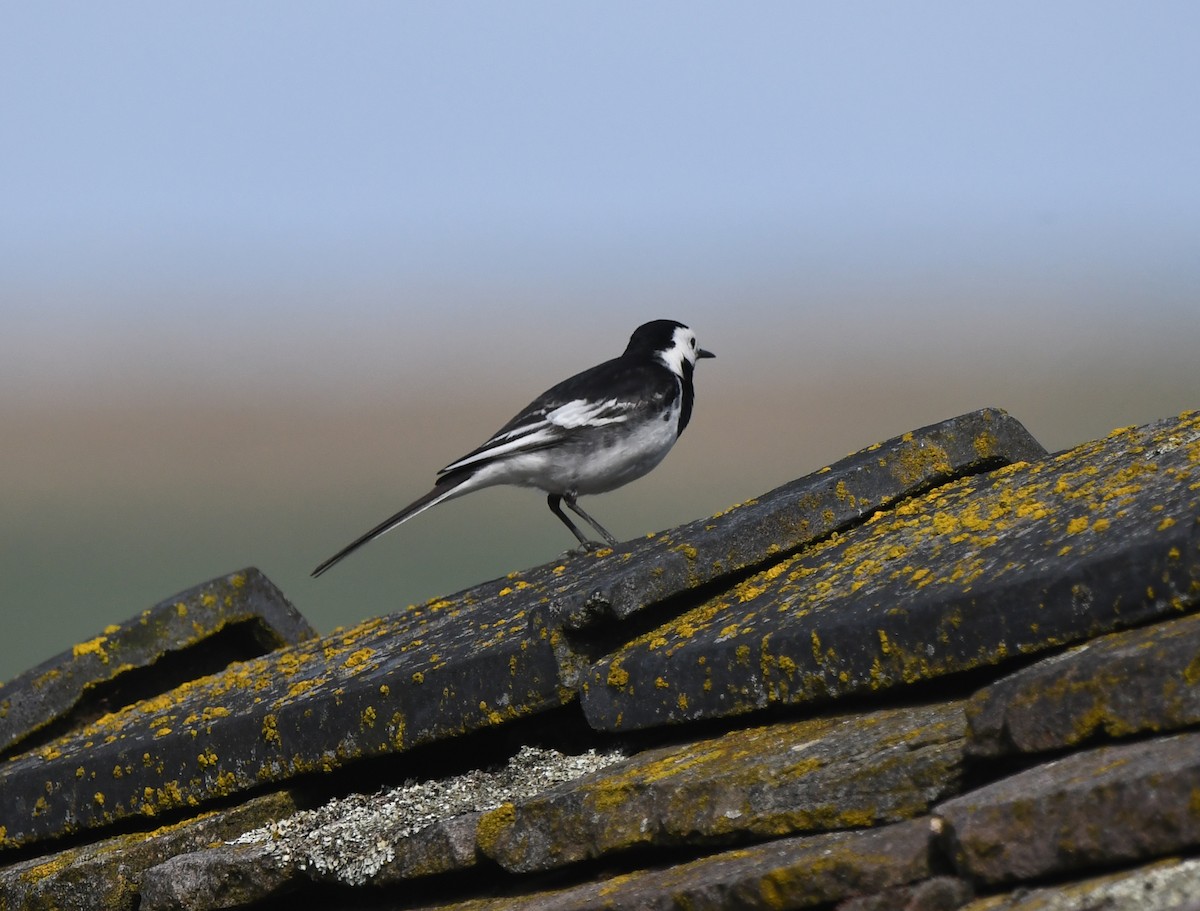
692 343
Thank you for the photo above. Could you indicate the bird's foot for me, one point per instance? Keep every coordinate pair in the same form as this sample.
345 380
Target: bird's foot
587 547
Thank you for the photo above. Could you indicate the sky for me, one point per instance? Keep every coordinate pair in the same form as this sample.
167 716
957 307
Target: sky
266 267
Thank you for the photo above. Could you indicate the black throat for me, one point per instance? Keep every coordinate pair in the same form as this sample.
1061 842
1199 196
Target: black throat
689 394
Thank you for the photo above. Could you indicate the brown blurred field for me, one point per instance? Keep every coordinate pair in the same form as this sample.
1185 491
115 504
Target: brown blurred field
121 489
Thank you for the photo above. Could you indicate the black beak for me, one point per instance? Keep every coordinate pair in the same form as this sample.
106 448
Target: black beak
702 353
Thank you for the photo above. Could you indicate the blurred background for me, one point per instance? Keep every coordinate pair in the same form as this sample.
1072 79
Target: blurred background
267 267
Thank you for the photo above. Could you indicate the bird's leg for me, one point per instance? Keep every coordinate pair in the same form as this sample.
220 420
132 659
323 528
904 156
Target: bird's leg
578 510
554 500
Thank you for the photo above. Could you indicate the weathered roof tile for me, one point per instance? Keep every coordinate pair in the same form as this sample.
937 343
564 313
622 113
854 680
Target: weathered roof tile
86 680
781 779
108 875
1026 558
836 497
1168 885
781 874
1105 806
361 692
1141 680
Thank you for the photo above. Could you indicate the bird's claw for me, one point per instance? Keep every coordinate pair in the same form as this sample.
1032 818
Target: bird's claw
586 547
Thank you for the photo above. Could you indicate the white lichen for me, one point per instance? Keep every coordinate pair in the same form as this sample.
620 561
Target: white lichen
351 838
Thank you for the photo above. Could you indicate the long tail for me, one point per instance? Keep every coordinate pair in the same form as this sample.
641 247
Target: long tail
444 490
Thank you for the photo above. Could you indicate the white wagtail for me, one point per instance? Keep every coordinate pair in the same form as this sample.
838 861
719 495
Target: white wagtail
590 434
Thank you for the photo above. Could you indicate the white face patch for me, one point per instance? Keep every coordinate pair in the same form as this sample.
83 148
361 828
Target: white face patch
683 348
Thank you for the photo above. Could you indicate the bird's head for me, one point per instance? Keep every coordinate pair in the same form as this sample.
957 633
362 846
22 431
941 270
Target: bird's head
672 343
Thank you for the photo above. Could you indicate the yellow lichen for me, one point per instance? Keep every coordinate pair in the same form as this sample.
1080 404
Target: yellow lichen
494 825
92 647
944 523
617 675
362 656
300 687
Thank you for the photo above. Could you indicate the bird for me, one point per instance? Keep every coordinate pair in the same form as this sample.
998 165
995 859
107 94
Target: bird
589 434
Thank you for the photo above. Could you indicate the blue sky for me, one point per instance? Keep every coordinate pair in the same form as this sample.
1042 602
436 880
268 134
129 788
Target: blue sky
156 144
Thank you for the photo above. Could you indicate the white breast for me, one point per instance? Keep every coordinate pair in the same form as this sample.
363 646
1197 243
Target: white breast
615 465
